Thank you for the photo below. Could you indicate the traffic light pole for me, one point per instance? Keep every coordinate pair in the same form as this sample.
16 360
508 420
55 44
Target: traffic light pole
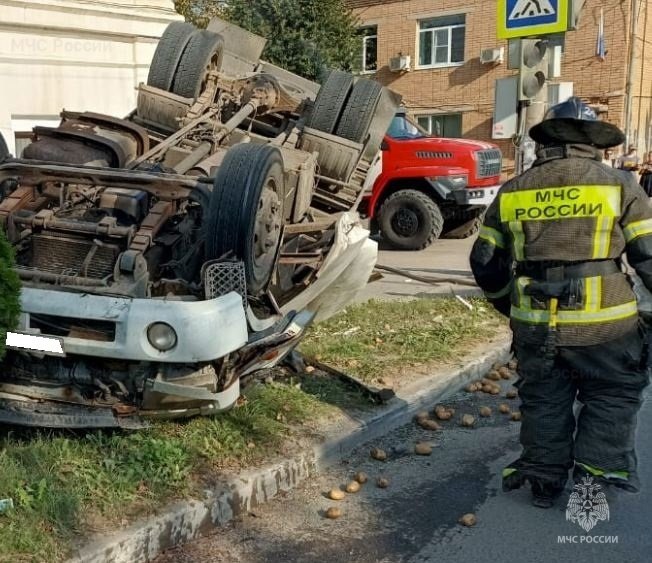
532 114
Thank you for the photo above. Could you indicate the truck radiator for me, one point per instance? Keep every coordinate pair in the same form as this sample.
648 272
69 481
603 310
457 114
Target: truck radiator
490 163
68 256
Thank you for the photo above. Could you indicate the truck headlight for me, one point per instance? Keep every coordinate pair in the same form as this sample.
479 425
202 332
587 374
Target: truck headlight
162 336
455 182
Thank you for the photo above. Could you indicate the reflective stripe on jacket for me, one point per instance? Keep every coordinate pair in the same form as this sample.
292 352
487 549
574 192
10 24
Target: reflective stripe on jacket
563 211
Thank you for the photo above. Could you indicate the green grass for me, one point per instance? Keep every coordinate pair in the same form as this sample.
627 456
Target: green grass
66 485
380 337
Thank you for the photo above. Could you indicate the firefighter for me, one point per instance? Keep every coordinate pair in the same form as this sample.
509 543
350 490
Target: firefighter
549 257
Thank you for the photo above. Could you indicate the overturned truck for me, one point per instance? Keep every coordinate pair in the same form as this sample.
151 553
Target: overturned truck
169 254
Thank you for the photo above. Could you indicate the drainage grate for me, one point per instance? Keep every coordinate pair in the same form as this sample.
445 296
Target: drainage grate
221 278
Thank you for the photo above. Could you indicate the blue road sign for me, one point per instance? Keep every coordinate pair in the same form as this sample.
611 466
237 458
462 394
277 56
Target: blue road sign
521 18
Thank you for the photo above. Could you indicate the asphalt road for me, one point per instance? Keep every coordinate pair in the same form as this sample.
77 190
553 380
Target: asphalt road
415 519
445 258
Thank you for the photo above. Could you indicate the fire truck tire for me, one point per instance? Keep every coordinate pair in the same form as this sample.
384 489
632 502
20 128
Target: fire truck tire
4 150
359 112
330 101
465 230
245 216
410 220
168 54
203 53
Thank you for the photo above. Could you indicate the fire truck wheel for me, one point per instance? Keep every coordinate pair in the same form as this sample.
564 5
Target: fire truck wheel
464 227
4 150
202 54
410 220
330 101
360 110
168 54
245 216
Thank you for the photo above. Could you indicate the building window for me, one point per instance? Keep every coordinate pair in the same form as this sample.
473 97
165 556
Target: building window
441 41
442 125
369 48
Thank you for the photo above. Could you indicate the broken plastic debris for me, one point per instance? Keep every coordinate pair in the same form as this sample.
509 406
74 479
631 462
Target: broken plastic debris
6 504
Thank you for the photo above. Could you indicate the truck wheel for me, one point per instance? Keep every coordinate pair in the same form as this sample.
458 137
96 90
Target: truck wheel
410 220
168 54
359 112
465 230
4 150
330 101
202 54
246 211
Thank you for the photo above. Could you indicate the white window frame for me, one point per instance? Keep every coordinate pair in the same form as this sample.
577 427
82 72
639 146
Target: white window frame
364 48
432 116
449 28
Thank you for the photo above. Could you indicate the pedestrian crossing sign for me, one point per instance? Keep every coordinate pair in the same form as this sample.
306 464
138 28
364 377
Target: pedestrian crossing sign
523 18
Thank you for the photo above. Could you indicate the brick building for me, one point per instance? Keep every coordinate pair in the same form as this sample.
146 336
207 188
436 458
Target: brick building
450 91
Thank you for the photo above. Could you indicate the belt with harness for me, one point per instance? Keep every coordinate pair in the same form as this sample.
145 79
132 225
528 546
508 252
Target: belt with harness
561 284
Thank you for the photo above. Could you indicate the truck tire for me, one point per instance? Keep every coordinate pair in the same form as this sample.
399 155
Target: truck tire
359 112
465 226
410 220
4 150
246 211
330 101
202 54
168 54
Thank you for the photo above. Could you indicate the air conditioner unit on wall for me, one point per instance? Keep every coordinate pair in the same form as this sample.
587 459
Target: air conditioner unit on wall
400 63
492 56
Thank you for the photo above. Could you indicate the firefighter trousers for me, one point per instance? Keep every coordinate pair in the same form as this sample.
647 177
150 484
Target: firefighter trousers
608 380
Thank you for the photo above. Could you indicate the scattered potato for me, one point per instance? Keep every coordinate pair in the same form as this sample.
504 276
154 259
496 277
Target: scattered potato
353 487
421 448
487 388
428 424
495 390
443 414
496 366
486 381
513 364
421 415
361 477
471 388
494 376
511 394
485 411
468 520
310 369
468 420
333 512
336 494
382 482
378 454
516 416
504 409
505 373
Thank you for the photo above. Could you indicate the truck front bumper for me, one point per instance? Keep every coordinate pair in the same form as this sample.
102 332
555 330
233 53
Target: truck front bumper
475 196
205 330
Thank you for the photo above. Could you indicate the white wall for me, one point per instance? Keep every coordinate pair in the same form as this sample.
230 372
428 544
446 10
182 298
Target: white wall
80 55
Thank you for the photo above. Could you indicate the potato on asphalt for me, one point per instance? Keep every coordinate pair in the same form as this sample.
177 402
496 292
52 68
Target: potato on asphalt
361 477
333 512
516 416
505 373
513 364
382 482
429 424
468 420
336 494
353 487
468 520
485 411
378 454
505 409
494 376
512 394
422 448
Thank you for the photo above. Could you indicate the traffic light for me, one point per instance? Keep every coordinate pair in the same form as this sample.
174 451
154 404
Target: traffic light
533 68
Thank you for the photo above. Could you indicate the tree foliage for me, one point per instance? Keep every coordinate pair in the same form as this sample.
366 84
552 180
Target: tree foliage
304 36
9 292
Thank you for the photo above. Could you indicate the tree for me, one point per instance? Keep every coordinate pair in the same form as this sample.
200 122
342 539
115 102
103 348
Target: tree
304 36
9 292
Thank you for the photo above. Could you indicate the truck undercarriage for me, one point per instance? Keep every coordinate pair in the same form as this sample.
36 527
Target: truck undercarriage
167 255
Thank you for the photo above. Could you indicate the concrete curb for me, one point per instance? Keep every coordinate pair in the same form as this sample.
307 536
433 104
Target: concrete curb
185 521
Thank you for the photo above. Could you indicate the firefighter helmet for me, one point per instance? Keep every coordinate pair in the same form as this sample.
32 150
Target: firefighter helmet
573 121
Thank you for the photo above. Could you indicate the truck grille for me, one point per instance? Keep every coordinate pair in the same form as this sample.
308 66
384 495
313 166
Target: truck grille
66 256
490 162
